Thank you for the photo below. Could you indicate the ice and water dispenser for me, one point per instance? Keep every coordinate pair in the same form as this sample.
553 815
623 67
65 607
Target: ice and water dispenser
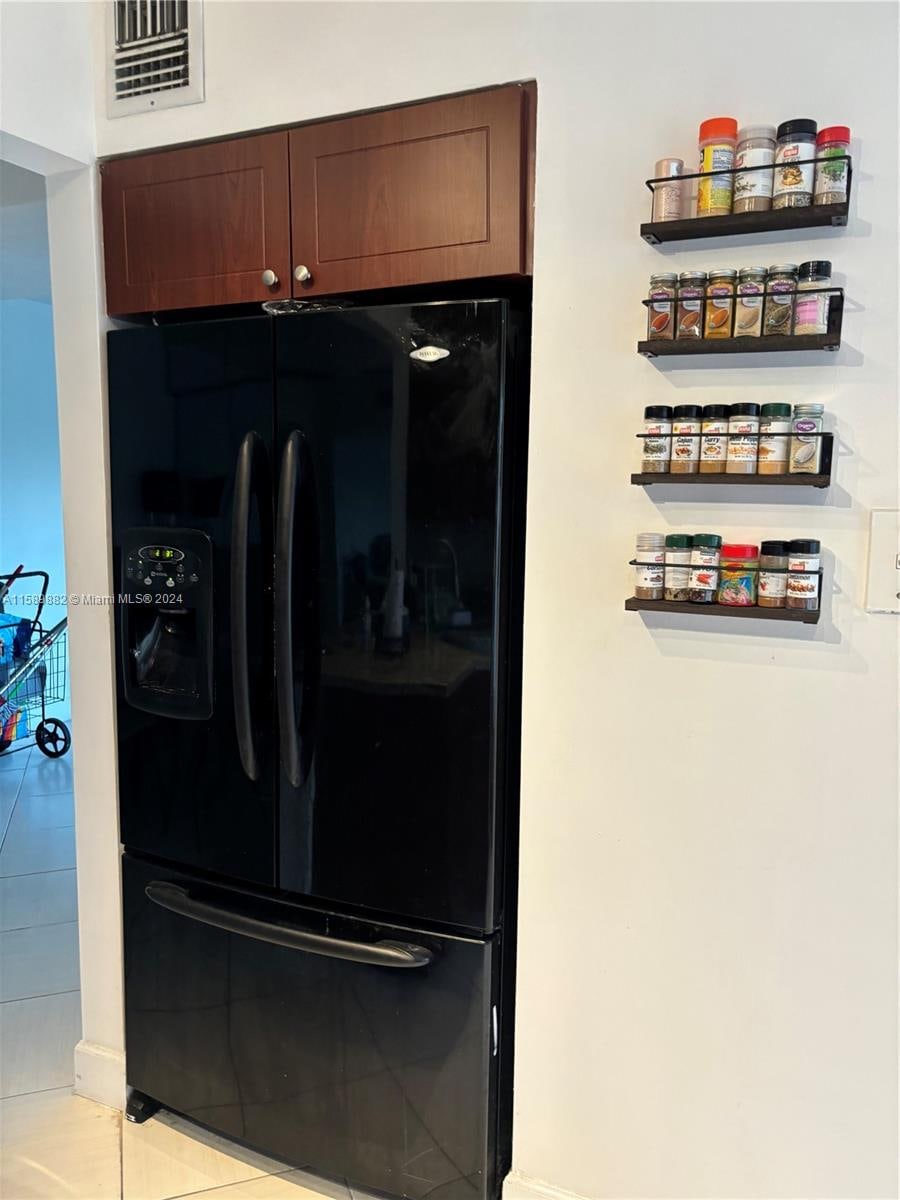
166 614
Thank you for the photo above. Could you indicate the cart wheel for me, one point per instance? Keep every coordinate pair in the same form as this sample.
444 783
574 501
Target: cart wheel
53 738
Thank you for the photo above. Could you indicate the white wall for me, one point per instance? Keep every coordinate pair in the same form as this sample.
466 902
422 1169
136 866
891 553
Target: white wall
47 125
46 77
707 986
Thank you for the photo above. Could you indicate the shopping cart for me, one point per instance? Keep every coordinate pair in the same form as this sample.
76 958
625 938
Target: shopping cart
32 675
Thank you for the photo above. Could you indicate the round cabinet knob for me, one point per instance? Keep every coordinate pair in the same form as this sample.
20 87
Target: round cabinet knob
303 274
269 278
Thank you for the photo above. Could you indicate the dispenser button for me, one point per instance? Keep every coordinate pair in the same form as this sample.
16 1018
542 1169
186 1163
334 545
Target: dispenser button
148 581
170 583
194 578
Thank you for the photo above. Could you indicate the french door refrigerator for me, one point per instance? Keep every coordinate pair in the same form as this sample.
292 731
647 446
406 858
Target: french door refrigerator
318 528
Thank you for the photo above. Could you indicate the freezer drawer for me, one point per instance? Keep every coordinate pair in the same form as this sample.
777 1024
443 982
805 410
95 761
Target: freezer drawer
358 1051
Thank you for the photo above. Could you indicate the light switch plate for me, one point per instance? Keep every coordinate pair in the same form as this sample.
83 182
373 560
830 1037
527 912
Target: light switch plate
883 580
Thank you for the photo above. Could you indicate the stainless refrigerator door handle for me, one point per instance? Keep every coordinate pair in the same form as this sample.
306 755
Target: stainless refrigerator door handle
177 899
284 640
252 469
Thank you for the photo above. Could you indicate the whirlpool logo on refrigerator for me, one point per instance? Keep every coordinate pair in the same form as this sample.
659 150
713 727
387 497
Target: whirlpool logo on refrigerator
429 354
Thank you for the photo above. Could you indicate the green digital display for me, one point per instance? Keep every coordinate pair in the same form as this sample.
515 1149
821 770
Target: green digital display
161 553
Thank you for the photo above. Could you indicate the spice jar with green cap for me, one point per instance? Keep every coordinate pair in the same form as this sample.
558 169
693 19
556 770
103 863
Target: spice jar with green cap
704 579
774 439
678 566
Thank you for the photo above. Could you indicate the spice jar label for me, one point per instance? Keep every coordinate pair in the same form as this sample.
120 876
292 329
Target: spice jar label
714 195
831 179
793 173
772 585
754 183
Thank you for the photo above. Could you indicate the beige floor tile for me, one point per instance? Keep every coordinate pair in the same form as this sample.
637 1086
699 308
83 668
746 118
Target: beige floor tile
45 775
37 1043
56 1146
168 1156
39 961
295 1185
48 898
53 811
27 851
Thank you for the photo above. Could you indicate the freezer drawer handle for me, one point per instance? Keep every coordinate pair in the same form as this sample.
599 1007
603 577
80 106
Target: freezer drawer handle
378 954
251 474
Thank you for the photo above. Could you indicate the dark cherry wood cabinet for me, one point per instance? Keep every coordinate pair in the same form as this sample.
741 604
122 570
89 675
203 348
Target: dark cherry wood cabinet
198 226
421 194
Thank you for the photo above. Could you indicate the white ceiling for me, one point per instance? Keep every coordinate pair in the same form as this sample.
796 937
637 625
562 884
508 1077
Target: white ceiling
24 252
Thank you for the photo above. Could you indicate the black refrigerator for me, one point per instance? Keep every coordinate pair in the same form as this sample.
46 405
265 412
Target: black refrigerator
318 530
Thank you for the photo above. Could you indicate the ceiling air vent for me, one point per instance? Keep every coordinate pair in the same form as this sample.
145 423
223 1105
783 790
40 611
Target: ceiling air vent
156 55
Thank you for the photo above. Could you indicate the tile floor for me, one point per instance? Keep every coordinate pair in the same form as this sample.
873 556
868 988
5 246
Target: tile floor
55 1145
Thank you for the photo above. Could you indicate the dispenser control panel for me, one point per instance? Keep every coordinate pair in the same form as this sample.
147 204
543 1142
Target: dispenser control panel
166 622
163 568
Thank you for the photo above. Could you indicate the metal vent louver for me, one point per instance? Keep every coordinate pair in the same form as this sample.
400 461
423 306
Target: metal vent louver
156 55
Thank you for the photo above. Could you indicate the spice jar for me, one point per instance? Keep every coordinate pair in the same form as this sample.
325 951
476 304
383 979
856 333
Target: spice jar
691 287
648 570
806 441
656 450
714 442
772 574
831 177
749 305
677 571
794 170
811 312
661 310
720 303
737 574
774 439
717 138
685 439
781 283
753 189
668 198
743 439
803 574
704 579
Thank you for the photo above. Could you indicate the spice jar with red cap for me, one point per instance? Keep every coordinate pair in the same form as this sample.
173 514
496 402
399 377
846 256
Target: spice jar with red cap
717 141
831 177
738 571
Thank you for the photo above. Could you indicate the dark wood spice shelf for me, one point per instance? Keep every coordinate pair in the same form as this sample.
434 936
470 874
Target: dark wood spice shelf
817 481
804 615
815 216
685 347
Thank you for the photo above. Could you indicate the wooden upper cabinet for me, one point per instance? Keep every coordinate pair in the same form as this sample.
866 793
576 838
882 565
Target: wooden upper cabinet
422 194
198 225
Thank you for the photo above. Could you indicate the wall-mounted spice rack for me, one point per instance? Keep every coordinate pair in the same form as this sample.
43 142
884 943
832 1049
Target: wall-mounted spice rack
687 228
763 344
804 615
821 479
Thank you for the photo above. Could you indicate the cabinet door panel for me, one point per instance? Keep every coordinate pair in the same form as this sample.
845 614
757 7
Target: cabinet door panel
197 226
422 194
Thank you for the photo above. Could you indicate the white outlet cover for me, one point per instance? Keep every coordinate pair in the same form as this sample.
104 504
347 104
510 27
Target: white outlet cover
883 579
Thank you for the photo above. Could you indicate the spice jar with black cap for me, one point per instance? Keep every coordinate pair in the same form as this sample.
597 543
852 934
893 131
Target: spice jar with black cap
656 447
795 150
714 442
743 439
773 563
686 439
811 311
803 573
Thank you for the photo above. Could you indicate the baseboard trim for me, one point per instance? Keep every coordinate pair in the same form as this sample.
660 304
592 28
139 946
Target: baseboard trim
522 1187
100 1074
